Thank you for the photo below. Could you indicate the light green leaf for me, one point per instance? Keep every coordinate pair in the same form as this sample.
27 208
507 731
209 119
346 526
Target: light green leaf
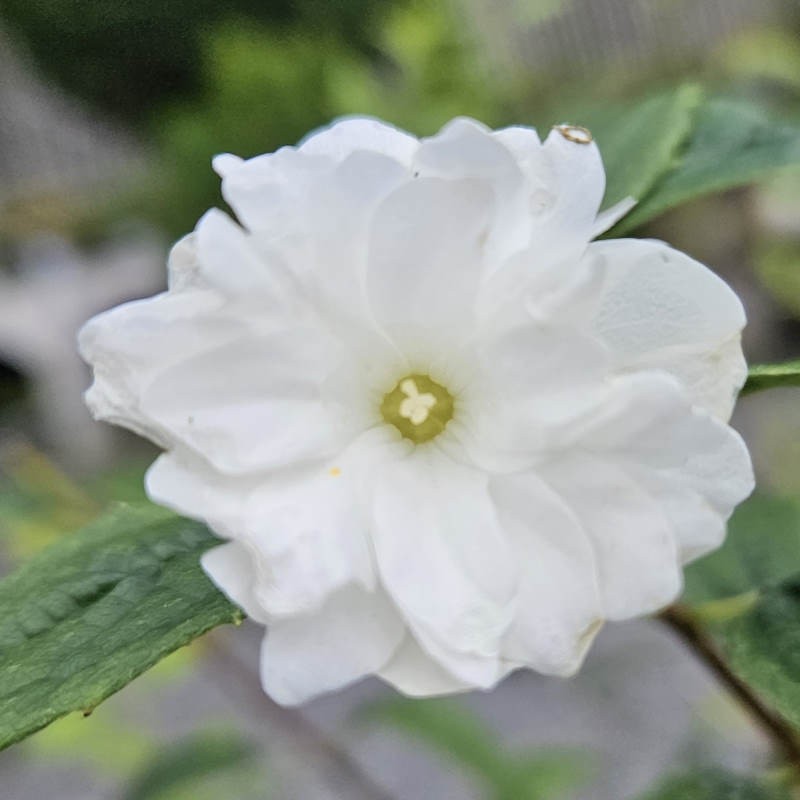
462 737
85 617
772 376
715 784
733 143
639 143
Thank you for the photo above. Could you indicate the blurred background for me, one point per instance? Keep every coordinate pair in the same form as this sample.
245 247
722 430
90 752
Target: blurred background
110 111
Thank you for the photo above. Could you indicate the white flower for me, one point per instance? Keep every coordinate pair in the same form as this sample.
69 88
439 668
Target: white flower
445 434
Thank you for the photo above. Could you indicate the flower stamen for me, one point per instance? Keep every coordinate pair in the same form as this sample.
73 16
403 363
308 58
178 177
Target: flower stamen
418 407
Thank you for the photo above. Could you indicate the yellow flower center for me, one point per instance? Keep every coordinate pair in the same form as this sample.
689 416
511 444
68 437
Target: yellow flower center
418 407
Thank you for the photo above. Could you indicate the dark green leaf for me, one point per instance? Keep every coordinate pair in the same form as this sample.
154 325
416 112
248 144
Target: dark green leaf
772 376
715 784
762 550
639 143
188 761
748 594
762 647
733 143
85 617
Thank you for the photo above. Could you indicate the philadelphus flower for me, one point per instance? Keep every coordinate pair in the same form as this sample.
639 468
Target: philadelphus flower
444 433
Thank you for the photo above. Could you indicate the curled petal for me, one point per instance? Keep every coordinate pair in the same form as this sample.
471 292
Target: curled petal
353 635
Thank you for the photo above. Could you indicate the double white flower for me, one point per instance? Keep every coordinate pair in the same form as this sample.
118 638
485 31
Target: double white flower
445 434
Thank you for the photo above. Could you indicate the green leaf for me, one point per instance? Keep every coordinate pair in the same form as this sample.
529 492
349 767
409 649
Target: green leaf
85 617
464 738
187 761
714 784
639 143
762 647
772 376
748 596
762 549
733 143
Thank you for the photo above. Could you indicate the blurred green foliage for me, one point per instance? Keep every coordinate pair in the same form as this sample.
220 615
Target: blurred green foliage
462 737
204 766
264 89
38 502
130 57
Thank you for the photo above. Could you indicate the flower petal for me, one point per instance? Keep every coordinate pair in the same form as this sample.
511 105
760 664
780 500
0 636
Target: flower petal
270 385
658 308
425 262
304 530
559 609
577 181
635 550
230 566
353 635
696 467
413 672
611 216
229 262
441 552
653 483
353 134
466 149
527 383
129 346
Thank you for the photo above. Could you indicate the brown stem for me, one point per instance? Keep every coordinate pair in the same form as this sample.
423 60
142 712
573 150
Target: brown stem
343 773
779 731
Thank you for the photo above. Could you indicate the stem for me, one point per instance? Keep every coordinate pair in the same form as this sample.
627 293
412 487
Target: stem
343 772
777 729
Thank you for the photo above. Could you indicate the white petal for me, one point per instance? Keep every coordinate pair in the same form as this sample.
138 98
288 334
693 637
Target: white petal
307 217
466 149
413 672
229 261
521 140
304 529
183 268
564 184
182 481
559 609
611 216
311 536
647 439
254 403
441 553
635 550
551 373
267 192
231 567
425 261
527 384
338 214
659 308
129 346
353 635
579 182
477 670
349 135
696 467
